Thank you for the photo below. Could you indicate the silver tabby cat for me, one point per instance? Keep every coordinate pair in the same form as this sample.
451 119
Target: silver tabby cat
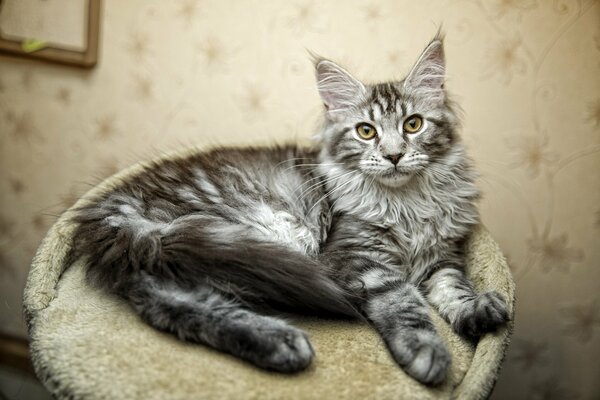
370 223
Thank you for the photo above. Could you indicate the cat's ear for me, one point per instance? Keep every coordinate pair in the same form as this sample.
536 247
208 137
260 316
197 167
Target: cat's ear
428 74
338 89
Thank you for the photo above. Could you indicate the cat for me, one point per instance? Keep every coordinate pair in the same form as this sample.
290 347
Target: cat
370 222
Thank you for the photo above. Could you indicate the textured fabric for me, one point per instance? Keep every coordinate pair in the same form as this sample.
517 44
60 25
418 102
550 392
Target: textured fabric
88 344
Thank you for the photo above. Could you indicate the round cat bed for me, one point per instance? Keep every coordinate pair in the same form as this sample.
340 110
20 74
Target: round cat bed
87 344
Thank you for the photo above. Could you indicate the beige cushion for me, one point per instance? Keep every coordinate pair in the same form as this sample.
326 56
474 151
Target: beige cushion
88 344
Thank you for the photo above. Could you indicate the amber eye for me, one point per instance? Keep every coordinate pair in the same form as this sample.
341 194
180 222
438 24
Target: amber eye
366 131
413 124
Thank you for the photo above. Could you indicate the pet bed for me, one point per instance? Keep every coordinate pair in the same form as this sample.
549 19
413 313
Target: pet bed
87 344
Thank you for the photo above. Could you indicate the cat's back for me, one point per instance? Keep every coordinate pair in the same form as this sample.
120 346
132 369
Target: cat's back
221 176
256 192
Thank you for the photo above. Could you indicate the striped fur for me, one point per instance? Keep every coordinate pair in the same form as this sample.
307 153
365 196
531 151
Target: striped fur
207 246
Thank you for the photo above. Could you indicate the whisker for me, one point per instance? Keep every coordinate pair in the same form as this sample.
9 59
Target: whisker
336 200
316 164
324 183
308 181
292 159
331 192
311 165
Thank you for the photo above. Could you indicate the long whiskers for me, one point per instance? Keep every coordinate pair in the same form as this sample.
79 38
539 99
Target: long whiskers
335 189
308 182
292 159
311 165
314 187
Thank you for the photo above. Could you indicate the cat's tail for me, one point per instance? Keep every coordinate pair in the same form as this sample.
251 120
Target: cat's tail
186 253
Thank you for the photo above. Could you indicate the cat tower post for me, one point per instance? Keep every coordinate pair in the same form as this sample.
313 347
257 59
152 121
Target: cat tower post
87 344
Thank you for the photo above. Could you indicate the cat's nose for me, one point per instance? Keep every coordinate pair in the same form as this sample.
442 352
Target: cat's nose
394 158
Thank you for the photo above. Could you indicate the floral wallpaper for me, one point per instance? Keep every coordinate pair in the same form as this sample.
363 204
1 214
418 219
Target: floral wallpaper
180 73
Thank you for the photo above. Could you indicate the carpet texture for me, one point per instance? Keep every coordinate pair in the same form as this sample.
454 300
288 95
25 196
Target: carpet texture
86 344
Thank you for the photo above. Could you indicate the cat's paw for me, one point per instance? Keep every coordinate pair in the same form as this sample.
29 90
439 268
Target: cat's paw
285 350
483 314
422 355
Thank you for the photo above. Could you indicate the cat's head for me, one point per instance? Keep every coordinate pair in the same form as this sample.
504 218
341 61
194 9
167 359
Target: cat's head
388 131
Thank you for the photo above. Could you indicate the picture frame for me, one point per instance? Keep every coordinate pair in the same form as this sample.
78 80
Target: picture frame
38 49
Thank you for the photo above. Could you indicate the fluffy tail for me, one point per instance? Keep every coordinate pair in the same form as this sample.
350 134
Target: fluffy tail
184 253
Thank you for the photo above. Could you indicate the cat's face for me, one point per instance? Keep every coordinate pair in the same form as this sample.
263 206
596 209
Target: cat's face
390 131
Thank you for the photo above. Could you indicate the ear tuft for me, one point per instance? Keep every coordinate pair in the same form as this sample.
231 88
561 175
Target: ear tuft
428 73
339 90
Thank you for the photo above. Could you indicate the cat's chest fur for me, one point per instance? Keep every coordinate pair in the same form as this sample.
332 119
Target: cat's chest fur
405 227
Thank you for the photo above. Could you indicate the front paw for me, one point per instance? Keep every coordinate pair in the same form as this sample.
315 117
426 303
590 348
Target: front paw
422 355
286 350
485 313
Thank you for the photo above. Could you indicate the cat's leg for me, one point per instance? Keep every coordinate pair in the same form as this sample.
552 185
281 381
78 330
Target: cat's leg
400 315
206 316
398 312
469 313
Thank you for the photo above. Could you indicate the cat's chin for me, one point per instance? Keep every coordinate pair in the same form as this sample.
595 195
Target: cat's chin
394 180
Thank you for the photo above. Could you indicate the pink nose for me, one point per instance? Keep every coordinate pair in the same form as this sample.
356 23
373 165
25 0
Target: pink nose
394 158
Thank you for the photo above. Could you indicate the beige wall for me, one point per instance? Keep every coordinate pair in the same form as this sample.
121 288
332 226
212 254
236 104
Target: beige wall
527 74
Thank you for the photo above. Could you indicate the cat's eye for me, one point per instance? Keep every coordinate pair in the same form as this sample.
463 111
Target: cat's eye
366 131
413 124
